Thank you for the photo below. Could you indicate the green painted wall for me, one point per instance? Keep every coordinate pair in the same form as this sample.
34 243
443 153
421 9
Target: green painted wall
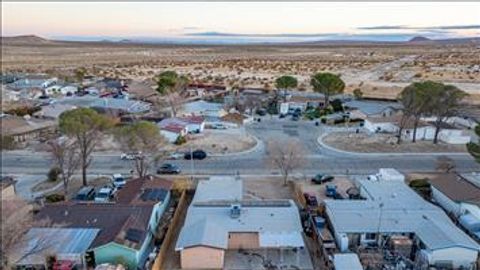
115 253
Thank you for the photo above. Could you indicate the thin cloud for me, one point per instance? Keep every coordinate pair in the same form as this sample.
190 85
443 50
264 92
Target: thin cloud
383 27
401 27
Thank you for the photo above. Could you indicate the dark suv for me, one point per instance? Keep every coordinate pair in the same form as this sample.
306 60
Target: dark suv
197 154
168 168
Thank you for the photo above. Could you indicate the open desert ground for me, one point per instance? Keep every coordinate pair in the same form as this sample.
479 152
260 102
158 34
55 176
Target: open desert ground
379 70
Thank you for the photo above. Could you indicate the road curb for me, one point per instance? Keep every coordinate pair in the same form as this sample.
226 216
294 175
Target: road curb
333 149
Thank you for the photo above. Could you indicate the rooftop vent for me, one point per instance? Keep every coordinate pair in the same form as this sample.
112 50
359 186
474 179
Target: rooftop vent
235 210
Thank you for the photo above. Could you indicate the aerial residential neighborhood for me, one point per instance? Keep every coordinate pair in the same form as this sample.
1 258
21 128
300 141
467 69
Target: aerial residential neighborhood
248 136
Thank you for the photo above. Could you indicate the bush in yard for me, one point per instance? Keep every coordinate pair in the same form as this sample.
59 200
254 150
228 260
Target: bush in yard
53 198
53 174
337 105
357 93
422 187
8 143
180 140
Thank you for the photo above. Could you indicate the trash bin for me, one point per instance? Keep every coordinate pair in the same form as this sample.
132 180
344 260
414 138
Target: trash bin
357 131
317 124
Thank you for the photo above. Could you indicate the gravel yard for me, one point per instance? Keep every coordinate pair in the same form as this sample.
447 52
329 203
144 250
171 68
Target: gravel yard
220 141
384 143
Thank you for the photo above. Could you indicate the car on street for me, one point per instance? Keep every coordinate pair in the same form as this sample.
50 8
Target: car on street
295 117
322 178
105 194
131 156
218 126
262 112
118 180
168 168
310 199
197 154
175 155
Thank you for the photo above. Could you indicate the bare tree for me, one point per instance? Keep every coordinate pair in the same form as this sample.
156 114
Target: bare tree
285 156
66 157
86 127
17 219
143 137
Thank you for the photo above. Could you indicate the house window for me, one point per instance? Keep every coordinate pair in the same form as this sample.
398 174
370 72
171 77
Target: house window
370 236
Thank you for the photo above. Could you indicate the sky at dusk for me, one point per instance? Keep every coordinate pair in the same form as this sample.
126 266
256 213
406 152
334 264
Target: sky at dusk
241 19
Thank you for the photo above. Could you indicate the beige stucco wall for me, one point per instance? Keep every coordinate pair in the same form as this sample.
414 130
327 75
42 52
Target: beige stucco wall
8 193
201 258
245 240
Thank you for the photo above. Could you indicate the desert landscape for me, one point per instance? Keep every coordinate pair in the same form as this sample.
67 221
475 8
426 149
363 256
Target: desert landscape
380 70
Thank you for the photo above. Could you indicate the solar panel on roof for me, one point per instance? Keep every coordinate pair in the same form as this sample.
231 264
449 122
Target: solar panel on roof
154 194
134 235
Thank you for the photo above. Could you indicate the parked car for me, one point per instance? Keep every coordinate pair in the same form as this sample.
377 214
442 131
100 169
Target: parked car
118 180
262 112
105 193
131 156
331 191
310 199
218 126
168 168
281 115
175 155
86 193
322 178
197 154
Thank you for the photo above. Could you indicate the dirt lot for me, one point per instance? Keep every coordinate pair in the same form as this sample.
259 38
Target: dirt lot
384 143
220 141
342 183
260 188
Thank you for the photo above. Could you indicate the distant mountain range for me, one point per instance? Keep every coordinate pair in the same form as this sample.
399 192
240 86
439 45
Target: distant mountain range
215 39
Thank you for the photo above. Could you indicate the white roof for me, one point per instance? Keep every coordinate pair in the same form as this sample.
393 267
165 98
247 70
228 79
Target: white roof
200 106
347 261
392 207
209 220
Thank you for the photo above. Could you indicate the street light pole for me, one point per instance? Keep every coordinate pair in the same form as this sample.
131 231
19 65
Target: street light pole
192 167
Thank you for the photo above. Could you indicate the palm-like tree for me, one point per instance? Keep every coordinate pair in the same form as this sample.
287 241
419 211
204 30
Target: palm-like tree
285 83
169 84
328 84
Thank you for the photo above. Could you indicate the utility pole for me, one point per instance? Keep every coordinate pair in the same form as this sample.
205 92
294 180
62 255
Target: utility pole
192 167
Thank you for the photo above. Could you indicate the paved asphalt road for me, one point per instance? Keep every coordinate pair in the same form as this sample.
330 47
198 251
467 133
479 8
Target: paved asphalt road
317 159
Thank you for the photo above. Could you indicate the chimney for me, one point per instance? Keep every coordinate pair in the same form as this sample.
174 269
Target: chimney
235 210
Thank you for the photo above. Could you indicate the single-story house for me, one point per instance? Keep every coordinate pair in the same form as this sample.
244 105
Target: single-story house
53 111
362 109
23 129
118 105
65 244
293 100
126 227
219 221
202 108
174 127
392 209
458 195
425 131
9 95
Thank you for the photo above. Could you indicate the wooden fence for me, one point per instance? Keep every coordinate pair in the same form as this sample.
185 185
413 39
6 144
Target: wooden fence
173 229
